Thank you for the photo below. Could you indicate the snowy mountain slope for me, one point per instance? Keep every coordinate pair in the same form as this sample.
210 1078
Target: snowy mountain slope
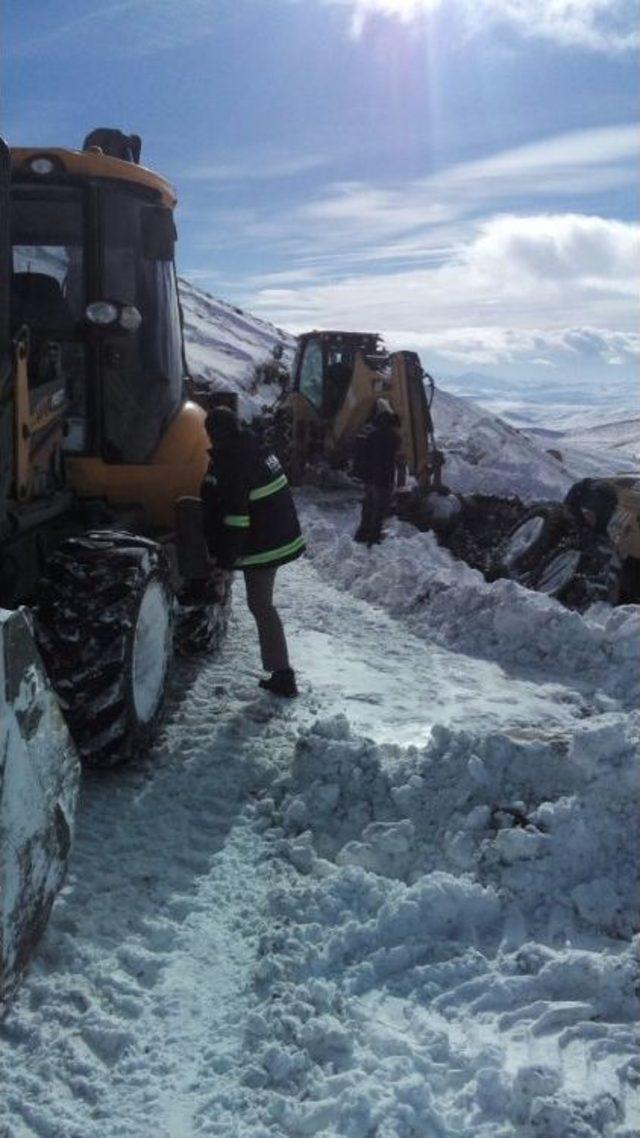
594 440
484 454
550 400
225 346
592 445
403 905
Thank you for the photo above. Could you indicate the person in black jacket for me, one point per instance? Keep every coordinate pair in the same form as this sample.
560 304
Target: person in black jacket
250 523
380 444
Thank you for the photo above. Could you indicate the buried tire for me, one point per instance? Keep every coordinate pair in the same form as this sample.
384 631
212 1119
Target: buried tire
528 541
104 625
580 573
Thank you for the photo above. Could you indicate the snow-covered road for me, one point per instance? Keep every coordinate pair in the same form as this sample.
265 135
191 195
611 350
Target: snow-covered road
400 906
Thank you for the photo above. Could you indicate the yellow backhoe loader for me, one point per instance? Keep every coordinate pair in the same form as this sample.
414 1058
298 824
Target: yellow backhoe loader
579 551
336 380
98 443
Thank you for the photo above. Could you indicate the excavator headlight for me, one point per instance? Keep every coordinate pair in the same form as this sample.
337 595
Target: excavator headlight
130 318
102 313
42 165
111 314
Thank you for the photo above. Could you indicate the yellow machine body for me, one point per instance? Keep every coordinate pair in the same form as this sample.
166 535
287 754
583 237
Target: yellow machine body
85 164
176 469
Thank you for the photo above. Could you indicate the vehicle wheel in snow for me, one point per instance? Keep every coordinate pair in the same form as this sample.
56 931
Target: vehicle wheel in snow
533 536
580 576
201 628
104 626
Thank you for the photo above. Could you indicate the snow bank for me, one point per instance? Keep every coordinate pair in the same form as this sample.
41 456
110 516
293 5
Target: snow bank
439 963
443 599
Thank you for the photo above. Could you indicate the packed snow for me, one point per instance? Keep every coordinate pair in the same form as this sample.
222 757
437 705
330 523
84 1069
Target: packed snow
403 905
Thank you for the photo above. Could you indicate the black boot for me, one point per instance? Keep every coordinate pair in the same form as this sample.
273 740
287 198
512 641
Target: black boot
282 682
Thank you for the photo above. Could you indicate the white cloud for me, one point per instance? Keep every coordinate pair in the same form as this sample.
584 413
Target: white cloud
494 346
600 25
445 259
256 166
520 286
555 249
425 219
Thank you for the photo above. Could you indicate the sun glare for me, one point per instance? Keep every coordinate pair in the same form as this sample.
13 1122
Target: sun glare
404 10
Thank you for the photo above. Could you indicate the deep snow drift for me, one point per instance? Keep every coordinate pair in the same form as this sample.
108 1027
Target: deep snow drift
402 906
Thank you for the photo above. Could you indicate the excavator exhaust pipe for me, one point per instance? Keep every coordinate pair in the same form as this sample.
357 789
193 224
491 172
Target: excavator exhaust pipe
39 779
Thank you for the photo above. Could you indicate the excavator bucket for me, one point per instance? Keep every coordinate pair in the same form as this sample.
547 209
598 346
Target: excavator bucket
39 778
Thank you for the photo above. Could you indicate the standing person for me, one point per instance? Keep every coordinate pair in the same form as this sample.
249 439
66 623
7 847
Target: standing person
380 447
250 523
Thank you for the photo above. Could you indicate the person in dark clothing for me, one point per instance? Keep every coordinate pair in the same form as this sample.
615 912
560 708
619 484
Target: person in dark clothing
250 523
380 448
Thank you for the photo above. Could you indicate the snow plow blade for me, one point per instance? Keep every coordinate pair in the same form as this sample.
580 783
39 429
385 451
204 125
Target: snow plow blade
39 778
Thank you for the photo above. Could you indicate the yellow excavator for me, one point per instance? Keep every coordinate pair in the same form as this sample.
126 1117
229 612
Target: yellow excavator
336 380
98 444
579 551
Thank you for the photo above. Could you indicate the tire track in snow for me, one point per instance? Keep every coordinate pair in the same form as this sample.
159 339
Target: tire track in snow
149 952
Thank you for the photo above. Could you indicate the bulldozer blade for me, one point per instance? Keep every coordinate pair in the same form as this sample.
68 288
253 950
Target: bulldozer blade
39 779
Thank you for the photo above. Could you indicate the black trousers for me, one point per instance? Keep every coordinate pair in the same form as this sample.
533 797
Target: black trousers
259 584
375 506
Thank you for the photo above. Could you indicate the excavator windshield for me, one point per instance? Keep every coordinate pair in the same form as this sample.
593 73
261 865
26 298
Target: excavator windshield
77 242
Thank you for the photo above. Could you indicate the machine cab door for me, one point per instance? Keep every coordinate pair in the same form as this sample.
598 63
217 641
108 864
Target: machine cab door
6 400
310 376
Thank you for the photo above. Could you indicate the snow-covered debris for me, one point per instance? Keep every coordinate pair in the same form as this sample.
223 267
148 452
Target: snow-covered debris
427 975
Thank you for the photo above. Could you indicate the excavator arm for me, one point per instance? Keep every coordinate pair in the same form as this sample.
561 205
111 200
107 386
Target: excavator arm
398 378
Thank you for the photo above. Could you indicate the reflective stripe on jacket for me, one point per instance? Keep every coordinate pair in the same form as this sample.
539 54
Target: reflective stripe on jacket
249 515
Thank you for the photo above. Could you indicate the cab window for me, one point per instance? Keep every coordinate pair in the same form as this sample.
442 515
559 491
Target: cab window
311 373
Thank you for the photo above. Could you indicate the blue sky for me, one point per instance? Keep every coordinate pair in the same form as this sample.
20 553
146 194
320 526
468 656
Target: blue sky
458 174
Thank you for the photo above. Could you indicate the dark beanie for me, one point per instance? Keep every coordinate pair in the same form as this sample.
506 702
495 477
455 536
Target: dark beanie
221 422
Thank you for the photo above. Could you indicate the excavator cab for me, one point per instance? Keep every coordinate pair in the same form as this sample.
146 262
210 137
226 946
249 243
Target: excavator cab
93 280
324 366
